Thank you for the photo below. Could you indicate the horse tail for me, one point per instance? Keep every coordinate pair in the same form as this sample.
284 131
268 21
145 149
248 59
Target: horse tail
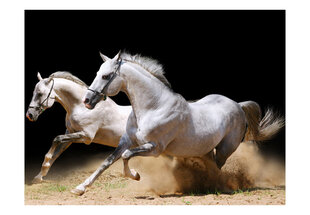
260 129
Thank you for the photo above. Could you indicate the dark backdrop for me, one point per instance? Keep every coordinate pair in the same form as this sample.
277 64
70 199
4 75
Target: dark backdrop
240 54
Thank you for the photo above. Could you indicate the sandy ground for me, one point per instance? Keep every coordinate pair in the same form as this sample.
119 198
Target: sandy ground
246 179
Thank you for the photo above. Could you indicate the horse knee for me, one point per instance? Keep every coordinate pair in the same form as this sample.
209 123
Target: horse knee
147 149
57 139
126 154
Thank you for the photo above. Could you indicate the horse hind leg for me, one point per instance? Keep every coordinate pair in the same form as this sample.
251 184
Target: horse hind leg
60 144
225 148
49 159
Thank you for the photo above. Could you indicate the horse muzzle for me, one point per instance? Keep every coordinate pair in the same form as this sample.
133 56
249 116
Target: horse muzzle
30 117
90 100
88 104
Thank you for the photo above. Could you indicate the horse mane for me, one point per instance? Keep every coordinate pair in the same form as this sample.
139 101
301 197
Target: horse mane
149 64
68 76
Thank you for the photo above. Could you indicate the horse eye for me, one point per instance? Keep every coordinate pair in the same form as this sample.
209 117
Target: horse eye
38 96
105 76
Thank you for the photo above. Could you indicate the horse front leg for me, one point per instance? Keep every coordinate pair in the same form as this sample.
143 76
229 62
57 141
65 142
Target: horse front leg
124 144
148 149
59 145
130 173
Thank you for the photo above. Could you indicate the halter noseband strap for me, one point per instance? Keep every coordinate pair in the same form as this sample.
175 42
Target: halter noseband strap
102 93
41 105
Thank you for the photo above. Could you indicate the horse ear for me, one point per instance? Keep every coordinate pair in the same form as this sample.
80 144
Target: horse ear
39 76
49 80
104 58
118 56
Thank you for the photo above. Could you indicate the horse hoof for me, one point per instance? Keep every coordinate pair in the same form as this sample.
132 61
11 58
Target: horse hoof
77 192
136 175
37 180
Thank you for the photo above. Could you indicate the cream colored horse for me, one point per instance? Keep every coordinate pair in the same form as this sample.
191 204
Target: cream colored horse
103 125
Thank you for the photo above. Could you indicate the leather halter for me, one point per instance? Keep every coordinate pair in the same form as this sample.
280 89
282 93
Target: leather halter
41 106
102 92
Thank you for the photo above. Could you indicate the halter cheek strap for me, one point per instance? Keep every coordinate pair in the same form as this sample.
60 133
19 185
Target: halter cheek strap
114 74
41 106
96 92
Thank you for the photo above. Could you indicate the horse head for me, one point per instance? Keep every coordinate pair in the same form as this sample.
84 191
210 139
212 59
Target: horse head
107 82
43 98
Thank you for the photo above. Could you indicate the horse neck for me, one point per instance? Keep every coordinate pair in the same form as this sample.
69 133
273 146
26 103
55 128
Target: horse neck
68 93
144 90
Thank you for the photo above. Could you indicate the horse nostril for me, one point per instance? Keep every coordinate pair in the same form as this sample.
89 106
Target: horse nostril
86 101
29 116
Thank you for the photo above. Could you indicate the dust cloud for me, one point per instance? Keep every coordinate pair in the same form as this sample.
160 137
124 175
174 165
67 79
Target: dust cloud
246 168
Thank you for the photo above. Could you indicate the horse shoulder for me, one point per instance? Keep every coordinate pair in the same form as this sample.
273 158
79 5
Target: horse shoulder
81 119
162 124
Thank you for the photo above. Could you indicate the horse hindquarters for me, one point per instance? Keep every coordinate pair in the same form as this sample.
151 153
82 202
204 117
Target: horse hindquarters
226 123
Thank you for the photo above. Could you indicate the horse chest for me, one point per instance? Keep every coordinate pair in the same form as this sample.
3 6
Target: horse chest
74 122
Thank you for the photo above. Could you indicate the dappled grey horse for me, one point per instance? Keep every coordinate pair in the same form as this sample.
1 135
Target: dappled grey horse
163 122
103 125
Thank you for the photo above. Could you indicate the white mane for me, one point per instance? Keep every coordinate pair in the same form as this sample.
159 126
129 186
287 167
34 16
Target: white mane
68 76
149 64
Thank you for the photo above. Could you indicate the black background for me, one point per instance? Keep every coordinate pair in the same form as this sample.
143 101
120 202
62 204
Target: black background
239 54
